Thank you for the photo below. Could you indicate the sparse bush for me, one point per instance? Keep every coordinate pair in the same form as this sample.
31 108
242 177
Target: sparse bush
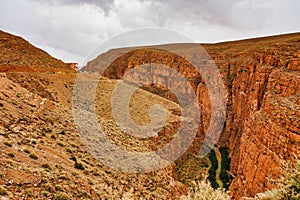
74 174
288 187
69 150
46 166
95 172
90 181
9 144
62 133
78 166
26 151
44 180
203 191
61 196
73 158
3 191
28 192
49 187
11 155
83 194
58 188
45 193
86 172
60 144
33 156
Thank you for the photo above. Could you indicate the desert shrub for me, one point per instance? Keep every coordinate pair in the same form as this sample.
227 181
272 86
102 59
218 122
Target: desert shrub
73 158
61 196
288 187
83 194
58 188
9 144
26 151
78 166
45 193
3 191
33 156
46 166
203 191
28 192
69 150
62 133
60 144
44 133
11 155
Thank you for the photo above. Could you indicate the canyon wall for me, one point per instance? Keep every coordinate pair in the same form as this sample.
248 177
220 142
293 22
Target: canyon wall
262 80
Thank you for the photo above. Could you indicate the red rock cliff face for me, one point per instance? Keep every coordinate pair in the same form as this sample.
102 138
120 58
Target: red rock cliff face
262 80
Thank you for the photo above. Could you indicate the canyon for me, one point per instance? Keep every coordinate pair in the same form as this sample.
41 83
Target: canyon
262 81
42 155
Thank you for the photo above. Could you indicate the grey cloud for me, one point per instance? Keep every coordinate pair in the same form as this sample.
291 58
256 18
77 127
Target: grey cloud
70 29
104 5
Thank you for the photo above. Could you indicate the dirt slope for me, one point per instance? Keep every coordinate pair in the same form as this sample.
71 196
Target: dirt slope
42 156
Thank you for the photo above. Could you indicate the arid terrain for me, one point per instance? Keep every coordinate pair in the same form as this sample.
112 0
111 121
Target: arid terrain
43 157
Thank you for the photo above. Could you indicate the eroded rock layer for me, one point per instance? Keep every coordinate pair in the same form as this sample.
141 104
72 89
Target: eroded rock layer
262 80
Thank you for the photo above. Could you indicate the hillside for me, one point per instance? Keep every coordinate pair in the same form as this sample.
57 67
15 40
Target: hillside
43 157
19 55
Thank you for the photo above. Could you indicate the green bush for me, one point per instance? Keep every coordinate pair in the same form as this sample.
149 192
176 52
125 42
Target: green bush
9 144
73 158
46 166
225 167
11 155
225 158
213 159
212 177
78 166
33 156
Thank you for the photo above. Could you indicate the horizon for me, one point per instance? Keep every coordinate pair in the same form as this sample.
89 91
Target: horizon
69 30
150 45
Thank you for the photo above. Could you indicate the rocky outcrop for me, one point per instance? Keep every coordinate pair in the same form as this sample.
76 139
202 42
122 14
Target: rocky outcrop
262 81
18 55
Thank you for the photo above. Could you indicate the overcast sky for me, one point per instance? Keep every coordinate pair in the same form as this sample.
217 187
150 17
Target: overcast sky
71 29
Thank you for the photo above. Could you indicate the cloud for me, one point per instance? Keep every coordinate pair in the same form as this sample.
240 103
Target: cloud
104 5
70 29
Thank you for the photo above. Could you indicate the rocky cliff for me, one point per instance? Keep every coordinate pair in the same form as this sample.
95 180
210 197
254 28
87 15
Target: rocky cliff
262 80
19 55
